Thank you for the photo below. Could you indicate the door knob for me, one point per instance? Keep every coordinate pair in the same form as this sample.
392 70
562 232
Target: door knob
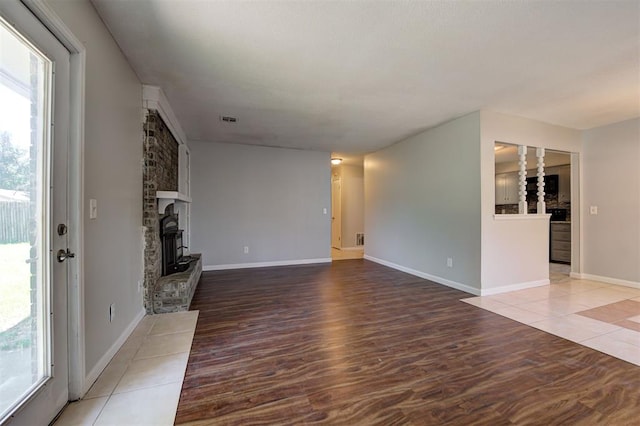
64 255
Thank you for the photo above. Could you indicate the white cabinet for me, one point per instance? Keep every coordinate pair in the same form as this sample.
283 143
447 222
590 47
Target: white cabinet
506 188
184 187
184 172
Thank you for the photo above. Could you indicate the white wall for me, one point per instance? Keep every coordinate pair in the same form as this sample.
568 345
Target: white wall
422 203
352 204
113 176
515 253
268 199
611 181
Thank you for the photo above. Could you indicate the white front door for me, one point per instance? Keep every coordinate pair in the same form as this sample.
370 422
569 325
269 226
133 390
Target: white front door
34 258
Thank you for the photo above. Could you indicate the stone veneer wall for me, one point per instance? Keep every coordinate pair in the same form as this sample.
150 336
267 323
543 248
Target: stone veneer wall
160 174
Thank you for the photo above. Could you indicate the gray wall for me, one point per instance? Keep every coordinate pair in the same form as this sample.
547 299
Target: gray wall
113 176
269 199
611 181
422 202
352 203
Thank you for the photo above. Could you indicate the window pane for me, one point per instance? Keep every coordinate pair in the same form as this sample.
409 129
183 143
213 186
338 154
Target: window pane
24 277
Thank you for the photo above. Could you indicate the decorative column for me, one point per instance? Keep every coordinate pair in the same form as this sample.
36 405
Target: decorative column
541 205
522 182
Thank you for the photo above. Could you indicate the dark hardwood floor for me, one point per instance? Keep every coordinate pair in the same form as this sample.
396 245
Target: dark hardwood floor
355 342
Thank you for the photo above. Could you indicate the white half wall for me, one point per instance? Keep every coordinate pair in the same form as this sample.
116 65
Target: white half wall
270 200
112 176
611 181
422 203
515 251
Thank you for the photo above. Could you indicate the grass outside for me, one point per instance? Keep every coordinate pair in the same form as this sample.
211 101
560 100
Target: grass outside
14 284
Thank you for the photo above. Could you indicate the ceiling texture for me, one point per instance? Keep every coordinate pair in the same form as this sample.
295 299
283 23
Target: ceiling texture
356 76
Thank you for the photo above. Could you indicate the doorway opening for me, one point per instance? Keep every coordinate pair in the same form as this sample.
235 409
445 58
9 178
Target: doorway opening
558 164
336 212
347 208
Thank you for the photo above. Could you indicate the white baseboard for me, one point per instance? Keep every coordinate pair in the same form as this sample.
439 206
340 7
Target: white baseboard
514 287
102 363
439 280
608 280
265 264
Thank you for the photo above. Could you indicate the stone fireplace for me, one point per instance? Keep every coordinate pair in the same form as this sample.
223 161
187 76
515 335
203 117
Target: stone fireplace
165 291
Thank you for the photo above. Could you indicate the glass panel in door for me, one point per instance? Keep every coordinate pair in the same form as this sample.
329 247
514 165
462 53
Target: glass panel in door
25 291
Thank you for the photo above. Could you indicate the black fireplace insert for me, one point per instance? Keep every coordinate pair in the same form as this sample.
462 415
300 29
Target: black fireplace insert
173 259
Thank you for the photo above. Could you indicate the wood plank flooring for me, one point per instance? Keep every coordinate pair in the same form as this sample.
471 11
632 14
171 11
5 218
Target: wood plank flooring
356 343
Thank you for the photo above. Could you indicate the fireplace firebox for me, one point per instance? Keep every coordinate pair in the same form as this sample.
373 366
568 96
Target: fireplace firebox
173 259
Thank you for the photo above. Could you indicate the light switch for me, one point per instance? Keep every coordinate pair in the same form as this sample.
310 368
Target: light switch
93 208
593 210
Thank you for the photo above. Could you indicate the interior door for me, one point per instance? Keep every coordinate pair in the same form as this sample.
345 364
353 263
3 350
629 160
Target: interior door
336 215
34 121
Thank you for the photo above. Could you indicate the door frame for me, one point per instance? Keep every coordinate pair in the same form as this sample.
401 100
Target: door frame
75 294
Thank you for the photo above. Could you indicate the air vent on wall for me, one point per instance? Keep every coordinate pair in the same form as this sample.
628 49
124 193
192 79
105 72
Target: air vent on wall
359 239
228 119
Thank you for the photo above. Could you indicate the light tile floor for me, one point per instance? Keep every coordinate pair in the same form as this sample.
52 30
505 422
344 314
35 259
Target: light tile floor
142 383
601 316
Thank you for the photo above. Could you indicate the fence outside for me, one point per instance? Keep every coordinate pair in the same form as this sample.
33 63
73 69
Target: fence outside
14 222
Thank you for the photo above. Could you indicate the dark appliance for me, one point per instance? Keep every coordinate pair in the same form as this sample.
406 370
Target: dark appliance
558 215
550 186
173 259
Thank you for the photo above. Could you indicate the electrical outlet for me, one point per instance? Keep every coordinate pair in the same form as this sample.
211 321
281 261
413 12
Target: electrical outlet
112 311
450 262
246 249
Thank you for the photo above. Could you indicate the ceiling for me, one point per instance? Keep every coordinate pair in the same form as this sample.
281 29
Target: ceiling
353 77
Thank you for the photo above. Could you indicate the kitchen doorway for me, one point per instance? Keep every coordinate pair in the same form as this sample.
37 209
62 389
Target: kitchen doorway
558 205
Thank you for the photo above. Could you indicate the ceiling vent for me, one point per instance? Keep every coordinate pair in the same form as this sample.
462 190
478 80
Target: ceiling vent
228 119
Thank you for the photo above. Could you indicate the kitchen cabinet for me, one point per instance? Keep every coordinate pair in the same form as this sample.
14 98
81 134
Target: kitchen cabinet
560 241
564 186
506 188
